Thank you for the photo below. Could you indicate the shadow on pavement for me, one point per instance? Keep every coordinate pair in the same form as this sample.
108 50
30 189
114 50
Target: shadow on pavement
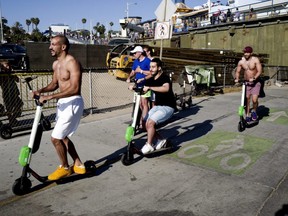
103 164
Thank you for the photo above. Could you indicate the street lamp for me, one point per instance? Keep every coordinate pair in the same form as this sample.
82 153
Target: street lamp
127 9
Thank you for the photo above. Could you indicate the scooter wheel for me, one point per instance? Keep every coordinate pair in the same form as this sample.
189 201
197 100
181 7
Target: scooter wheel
6 132
46 124
125 160
90 166
241 126
21 186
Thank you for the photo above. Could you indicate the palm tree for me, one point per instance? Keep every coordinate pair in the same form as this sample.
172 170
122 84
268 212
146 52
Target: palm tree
84 21
6 29
28 23
111 24
101 29
96 28
17 27
37 21
33 22
17 33
4 21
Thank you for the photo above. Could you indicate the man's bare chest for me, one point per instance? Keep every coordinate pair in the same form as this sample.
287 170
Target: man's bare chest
249 65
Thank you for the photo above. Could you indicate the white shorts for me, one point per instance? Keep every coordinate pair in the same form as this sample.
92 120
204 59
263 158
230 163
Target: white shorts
69 113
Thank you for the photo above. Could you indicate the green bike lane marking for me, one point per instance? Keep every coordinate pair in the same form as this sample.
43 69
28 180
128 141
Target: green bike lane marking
224 151
277 116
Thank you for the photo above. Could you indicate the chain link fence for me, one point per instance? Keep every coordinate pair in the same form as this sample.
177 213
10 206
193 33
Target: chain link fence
101 92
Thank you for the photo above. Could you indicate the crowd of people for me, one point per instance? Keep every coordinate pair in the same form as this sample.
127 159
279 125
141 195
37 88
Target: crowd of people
223 17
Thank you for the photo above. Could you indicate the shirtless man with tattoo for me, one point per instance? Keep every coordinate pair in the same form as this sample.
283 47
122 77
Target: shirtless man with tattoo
252 70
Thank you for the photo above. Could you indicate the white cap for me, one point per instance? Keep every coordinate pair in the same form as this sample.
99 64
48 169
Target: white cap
137 49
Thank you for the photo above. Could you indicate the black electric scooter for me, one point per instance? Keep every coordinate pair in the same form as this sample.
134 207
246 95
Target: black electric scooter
23 184
128 157
243 124
7 130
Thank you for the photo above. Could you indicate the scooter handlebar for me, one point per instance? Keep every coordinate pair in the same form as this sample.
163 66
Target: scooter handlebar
136 87
241 82
36 98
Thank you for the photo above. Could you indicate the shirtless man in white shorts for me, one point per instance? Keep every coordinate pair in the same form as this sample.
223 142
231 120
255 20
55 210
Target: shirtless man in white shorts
67 76
252 71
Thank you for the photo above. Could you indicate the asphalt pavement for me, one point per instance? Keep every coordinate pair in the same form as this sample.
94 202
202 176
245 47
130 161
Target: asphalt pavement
213 170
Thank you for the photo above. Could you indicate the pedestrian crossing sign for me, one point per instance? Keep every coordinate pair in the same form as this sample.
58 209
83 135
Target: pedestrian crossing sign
162 30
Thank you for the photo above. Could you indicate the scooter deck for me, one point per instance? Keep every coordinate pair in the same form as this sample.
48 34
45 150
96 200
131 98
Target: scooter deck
252 123
90 169
128 157
167 147
23 184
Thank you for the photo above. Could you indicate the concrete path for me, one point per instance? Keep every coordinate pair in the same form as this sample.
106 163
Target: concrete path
214 170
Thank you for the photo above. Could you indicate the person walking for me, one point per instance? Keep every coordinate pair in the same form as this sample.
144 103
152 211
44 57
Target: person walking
252 14
237 15
252 70
229 16
67 77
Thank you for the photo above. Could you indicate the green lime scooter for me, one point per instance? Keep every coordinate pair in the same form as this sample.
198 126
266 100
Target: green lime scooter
128 158
23 184
243 124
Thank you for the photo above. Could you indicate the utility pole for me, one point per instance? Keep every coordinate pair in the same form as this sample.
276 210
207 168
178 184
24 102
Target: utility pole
127 10
1 25
127 15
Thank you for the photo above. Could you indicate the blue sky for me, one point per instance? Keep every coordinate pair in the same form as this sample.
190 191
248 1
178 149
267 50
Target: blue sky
71 12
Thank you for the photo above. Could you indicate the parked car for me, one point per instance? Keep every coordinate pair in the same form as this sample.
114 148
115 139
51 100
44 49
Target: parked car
15 54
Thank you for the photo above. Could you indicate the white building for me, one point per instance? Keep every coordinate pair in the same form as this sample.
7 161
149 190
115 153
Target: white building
59 28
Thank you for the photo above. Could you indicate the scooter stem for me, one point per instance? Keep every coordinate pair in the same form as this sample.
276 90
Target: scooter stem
35 125
135 114
243 94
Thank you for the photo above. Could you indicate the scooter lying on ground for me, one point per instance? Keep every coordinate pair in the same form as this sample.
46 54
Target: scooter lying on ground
128 157
23 184
7 130
242 109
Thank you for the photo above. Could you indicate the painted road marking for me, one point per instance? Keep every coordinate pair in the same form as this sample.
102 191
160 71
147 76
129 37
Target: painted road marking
277 116
223 151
